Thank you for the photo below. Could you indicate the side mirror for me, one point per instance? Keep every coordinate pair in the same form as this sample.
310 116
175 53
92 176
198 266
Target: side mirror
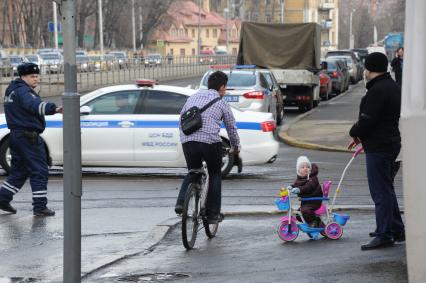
85 110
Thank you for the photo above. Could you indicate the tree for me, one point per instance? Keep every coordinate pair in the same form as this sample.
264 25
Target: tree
85 9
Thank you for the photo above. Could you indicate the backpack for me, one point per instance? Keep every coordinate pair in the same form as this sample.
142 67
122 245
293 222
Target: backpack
190 120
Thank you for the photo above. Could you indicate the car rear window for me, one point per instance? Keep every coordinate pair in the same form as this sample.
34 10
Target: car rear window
331 66
237 79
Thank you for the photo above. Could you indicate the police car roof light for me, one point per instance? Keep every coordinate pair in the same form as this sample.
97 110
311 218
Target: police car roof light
145 82
221 66
244 66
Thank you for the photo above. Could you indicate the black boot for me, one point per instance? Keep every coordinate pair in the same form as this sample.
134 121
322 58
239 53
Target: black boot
44 212
4 205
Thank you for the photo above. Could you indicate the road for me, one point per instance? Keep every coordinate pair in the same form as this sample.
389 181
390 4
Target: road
122 207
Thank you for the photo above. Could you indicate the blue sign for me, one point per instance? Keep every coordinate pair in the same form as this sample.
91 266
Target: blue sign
51 27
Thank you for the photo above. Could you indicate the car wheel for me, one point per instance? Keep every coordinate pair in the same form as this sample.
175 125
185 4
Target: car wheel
5 156
228 159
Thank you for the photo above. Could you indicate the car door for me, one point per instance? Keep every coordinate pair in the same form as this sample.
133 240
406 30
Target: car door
157 141
107 133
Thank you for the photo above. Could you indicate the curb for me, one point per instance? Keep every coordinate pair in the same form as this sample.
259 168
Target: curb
286 138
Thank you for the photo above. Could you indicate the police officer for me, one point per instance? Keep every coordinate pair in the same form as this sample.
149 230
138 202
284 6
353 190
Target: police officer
25 112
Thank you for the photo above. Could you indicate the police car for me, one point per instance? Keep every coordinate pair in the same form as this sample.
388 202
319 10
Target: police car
138 126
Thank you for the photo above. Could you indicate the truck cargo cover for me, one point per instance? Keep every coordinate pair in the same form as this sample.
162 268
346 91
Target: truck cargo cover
283 46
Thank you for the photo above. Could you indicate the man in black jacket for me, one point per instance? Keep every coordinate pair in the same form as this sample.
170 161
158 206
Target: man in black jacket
377 130
397 65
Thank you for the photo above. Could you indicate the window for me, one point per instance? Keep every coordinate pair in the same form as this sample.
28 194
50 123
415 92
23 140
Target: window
122 102
163 102
263 81
171 51
193 51
269 80
186 32
215 33
207 33
238 79
193 33
182 52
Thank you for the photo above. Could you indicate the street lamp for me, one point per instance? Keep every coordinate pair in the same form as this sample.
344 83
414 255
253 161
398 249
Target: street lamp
199 27
226 11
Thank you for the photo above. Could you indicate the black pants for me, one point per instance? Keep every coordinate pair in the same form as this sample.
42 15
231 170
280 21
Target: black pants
195 153
380 173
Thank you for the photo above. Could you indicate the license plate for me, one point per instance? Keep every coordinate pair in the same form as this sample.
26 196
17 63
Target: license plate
231 98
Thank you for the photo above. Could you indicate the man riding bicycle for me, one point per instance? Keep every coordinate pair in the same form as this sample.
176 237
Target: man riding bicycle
205 144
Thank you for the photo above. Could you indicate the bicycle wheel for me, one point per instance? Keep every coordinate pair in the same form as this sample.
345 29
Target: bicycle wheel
190 216
211 229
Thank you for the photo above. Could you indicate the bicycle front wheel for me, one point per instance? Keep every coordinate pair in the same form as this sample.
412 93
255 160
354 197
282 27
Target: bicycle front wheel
190 216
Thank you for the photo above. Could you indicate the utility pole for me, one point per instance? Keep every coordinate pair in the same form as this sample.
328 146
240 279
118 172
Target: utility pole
72 151
55 24
101 31
133 26
226 10
141 26
199 27
282 11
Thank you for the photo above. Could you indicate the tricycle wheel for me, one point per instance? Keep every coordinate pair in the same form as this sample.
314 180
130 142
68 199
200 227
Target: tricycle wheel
286 234
333 231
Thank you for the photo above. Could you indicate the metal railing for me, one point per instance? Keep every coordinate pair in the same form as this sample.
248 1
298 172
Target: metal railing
96 74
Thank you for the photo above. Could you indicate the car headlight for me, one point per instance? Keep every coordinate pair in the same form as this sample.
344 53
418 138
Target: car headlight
146 62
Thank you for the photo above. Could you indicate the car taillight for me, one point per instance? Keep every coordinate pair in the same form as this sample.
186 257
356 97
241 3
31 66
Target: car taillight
254 95
334 75
268 126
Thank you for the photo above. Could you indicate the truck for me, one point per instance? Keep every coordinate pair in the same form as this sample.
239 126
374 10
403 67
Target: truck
291 52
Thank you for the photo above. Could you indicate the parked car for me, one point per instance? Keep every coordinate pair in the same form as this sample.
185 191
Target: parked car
248 89
153 60
325 84
339 80
83 63
121 58
207 57
362 53
15 61
354 65
98 64
5 65
54 61
147 135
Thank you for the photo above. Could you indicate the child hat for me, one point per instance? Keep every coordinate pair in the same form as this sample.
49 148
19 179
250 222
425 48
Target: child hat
300 161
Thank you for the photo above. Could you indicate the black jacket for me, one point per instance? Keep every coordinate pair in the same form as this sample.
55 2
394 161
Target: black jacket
379 113
309 187
397 64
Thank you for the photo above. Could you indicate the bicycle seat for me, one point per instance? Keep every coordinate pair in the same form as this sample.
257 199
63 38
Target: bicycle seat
322 210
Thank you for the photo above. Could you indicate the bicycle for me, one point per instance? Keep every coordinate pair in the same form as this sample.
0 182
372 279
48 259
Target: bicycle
194 212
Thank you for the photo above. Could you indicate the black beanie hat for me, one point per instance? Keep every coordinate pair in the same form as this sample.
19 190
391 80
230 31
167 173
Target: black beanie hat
376 62
28 69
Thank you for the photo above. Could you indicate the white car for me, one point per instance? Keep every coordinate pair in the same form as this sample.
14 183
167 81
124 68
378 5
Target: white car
138 126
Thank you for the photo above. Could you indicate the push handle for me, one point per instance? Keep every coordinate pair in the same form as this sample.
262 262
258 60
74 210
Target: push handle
358 151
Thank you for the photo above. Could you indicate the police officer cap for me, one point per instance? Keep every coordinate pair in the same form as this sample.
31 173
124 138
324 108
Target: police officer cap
28 69
376 62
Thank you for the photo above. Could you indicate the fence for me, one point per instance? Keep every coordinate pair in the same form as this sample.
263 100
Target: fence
96 74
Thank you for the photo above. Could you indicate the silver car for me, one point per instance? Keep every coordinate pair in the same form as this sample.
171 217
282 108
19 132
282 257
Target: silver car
248 89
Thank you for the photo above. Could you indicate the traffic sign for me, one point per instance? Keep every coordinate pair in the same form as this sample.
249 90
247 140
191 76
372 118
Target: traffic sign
51 27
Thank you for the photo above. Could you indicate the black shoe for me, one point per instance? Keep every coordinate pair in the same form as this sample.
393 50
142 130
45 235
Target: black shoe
178 208
215 219
4 205
399 236
373 234
377 243
44 212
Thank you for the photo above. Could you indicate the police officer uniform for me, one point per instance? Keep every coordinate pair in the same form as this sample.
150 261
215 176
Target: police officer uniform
25 112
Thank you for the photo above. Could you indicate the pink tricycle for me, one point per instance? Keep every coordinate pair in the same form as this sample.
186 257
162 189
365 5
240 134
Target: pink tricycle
290 225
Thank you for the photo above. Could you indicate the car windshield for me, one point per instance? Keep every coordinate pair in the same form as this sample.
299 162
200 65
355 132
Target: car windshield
95 58
119 55
347 59
154 57
50 56
81 59
238 79
32 58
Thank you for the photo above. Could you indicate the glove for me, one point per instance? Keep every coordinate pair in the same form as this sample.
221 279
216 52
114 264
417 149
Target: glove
295 191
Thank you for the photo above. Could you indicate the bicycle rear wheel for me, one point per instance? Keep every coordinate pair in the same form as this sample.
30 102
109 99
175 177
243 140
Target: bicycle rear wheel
211 229
190 216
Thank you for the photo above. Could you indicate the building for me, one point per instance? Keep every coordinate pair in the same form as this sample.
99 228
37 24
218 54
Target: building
323 12
185 22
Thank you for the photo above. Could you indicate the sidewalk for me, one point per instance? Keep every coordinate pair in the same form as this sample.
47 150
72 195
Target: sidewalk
327 126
